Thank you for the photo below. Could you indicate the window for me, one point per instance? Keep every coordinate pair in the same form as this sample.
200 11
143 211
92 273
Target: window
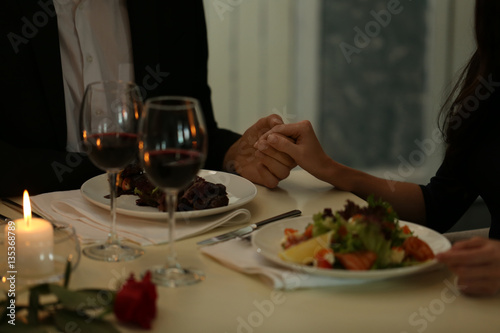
369 74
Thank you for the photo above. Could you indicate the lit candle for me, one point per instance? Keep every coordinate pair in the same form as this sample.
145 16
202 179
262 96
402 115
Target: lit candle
34 243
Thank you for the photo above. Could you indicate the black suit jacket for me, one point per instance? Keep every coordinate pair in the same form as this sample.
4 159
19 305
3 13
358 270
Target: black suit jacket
170 54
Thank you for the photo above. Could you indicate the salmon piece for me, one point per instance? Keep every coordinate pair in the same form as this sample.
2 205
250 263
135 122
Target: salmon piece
417 249
357 261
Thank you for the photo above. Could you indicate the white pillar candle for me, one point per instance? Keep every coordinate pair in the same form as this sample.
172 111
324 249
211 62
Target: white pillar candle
34 243
34 247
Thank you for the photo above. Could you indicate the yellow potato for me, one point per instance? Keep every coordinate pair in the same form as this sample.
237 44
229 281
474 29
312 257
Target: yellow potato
303 253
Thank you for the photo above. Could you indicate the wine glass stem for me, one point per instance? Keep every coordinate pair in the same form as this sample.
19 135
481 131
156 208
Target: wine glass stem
112 237
171 205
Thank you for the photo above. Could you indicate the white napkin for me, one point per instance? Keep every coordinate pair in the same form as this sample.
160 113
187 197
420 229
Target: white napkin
92 223
240 255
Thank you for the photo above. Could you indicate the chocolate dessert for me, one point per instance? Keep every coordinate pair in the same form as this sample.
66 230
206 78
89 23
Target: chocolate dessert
200 194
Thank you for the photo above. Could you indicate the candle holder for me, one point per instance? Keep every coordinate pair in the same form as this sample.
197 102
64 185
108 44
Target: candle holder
46 267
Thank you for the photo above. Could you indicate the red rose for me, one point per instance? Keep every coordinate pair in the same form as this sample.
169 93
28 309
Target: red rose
135 302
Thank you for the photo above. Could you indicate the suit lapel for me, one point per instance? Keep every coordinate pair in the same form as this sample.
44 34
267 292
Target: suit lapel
47 54
144 36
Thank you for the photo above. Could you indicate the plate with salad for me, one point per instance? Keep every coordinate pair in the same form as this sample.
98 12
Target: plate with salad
357 242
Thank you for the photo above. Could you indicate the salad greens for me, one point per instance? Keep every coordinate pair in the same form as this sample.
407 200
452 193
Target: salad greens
373 228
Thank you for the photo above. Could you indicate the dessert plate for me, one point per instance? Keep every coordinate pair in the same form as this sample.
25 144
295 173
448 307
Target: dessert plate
240 191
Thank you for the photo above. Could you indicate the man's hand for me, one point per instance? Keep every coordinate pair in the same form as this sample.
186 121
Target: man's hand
264 169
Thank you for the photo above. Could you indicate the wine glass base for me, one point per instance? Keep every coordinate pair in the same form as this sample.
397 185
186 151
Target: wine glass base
113 252
175 276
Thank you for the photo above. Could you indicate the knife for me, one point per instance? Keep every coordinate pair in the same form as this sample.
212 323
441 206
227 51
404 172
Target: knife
17 207
248 229
4 219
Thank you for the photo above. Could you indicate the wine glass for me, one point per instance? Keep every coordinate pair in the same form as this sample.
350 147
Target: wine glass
109 120
172 149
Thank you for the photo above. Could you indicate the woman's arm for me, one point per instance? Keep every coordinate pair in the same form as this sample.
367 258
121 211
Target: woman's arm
305 149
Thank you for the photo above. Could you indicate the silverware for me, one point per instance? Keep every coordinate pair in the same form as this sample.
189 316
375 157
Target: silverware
17 207
248 229
4 219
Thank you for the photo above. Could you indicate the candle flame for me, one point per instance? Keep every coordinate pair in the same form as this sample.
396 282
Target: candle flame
26 207
191 120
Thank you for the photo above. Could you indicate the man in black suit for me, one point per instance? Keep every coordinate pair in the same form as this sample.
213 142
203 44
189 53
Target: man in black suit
169 51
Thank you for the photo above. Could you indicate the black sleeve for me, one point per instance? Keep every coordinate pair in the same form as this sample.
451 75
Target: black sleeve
171 38
42 170
447 197
219 140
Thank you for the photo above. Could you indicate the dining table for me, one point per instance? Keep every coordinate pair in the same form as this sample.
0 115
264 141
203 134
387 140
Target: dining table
230 300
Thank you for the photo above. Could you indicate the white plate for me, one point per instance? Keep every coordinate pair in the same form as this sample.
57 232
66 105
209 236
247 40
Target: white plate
240 191
267 242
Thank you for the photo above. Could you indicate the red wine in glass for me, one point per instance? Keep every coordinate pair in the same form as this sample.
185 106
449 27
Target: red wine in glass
112 150
173 167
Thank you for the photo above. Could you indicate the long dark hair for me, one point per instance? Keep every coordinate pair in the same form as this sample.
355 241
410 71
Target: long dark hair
458 115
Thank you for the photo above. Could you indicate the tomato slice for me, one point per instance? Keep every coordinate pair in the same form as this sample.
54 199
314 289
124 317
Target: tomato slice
406 230
324 258
308 232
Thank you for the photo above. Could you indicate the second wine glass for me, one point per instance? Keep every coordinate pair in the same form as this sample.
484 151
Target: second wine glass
172 149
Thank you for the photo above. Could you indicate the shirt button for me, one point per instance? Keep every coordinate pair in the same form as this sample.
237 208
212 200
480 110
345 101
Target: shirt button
90 59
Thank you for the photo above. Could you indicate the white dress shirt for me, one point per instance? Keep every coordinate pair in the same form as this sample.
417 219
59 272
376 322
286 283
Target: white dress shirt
95 45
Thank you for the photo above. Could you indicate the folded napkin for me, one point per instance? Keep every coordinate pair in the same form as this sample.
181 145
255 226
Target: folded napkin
92 223
240 255
466 234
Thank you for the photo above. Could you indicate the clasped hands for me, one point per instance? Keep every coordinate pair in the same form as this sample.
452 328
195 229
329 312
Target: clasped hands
269 149
245 159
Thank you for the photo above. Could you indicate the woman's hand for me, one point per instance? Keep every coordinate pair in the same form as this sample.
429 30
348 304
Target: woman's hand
264 169
476 262
298 141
